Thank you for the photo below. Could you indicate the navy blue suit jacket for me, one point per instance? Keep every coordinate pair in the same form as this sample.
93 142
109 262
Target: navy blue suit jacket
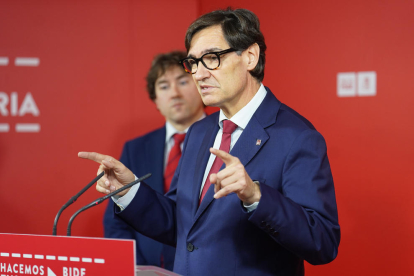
295 220
142 155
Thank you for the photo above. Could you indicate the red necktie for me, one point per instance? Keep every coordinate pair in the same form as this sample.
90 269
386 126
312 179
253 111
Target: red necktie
228 128
173 159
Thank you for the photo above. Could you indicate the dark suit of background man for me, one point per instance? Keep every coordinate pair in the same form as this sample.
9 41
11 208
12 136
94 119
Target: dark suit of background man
272 205
176 97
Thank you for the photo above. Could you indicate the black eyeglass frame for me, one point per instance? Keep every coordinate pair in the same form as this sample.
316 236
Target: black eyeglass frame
197 60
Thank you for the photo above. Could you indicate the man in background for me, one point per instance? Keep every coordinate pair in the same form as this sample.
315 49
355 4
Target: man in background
176 97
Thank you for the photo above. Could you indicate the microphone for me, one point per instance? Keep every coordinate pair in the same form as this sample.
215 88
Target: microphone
72 200
100 200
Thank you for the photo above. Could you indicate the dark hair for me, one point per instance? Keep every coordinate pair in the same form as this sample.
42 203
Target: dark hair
159 65
241 29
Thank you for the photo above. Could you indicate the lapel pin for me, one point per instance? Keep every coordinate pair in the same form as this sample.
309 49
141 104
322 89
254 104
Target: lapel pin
258 142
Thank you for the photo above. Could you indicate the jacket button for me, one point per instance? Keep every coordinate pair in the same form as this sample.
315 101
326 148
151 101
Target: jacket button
190 247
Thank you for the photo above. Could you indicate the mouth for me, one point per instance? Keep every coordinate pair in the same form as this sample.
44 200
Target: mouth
206 88
177 105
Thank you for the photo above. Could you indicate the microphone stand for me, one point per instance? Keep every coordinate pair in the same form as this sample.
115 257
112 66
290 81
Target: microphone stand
100 200
72 200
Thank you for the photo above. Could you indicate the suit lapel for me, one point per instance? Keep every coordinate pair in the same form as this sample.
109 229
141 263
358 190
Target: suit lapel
202 159
253 138
245 149
250 142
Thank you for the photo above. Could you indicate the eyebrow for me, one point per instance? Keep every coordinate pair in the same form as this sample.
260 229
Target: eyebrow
160 82
184 75
214 49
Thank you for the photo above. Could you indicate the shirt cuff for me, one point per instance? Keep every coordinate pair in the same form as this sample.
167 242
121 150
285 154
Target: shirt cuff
125 200
251 207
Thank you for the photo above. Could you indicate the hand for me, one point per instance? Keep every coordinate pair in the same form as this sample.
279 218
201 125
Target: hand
116 174
234 178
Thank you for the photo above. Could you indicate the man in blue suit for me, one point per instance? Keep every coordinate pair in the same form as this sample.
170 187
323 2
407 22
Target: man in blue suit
264 202
176 97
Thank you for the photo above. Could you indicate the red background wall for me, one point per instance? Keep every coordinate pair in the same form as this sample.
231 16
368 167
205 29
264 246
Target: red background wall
90 91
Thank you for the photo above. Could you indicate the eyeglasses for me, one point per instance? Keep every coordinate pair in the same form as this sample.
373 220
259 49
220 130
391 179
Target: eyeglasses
210 60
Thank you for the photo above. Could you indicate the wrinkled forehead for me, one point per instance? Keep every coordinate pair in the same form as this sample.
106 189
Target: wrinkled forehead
207 40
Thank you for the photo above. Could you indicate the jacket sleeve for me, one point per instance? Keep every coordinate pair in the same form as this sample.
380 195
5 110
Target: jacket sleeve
115 227
154 214
303 216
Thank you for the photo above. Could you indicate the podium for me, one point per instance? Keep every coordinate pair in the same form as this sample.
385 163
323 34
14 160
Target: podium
147 270
70 256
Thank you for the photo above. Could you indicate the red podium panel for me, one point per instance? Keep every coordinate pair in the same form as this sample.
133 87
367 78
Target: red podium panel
149 270
65 256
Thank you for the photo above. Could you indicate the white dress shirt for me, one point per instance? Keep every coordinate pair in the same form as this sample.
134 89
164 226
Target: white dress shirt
241 119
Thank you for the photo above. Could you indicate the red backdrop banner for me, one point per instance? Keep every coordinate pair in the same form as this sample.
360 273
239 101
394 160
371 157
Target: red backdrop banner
72 79
84 68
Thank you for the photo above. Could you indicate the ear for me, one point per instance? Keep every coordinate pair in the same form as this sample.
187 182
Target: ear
253 53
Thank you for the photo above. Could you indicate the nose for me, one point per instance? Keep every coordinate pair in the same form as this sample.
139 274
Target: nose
202 72
175 91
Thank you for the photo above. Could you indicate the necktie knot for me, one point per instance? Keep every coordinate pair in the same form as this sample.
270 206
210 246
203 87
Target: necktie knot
179 138
229 127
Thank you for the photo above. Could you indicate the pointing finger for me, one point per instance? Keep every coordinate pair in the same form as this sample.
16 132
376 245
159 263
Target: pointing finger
107 161
227 158
94 156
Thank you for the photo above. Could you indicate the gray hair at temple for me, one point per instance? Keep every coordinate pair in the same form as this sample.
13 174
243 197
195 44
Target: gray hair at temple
241 29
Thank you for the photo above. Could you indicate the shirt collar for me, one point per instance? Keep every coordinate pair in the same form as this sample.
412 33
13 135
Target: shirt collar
170 130
243 116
